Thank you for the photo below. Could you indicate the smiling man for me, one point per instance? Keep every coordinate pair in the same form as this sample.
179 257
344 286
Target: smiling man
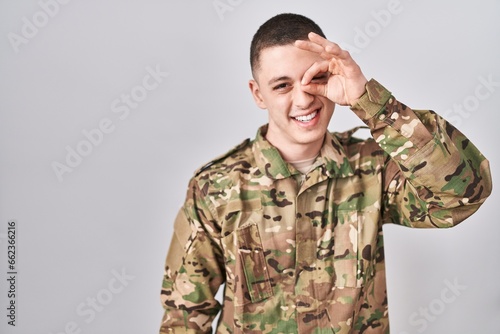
291 221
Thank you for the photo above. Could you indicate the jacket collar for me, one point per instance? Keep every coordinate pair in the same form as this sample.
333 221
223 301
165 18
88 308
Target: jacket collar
332 161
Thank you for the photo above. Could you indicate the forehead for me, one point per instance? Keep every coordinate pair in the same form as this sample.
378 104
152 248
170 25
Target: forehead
285 61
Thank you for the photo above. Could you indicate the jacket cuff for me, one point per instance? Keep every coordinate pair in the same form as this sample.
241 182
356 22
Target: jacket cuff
372 102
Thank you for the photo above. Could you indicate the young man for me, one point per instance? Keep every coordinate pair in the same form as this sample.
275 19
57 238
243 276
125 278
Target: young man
291 221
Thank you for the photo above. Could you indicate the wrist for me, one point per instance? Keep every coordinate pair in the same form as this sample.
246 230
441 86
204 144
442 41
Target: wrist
359 92
372 101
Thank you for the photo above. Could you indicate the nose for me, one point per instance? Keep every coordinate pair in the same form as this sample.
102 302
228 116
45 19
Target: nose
301 99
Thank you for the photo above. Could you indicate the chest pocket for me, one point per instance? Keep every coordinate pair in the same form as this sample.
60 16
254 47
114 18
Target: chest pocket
248 280
355 235
253 263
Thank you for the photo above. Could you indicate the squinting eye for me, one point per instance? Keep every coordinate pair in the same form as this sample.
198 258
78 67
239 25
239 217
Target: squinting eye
322 77
280 86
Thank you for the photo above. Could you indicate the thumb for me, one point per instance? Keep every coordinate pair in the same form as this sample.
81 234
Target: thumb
315 89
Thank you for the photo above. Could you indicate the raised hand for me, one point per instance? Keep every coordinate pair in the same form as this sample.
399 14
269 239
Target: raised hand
346 82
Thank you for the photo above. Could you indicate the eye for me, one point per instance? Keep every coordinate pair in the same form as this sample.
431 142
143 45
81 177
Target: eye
323 77
281 86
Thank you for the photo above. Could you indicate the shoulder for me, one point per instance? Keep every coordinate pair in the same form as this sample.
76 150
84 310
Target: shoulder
222 179
228 166
352 139
358 149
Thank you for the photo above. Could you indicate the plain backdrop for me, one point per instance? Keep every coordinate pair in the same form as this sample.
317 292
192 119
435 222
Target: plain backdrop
93 230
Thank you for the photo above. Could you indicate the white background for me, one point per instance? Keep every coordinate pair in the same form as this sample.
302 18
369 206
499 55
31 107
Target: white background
112 213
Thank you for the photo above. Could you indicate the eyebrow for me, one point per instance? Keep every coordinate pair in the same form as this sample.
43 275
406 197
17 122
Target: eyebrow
276 79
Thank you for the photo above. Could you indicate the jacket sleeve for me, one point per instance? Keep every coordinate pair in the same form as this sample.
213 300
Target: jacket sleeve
194 270
433 175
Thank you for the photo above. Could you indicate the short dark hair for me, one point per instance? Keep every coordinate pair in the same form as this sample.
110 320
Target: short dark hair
281 29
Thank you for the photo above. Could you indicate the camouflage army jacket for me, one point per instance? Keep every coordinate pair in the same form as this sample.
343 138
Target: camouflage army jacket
305 254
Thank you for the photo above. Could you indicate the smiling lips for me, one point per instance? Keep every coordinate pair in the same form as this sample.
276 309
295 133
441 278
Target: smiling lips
306 118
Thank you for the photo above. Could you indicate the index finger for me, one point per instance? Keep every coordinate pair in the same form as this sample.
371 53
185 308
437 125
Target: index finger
319 70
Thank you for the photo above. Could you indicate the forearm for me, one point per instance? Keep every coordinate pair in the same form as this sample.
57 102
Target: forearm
441 178
188 295
193 274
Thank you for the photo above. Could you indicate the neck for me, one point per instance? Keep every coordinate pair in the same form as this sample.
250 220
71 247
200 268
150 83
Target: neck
297 152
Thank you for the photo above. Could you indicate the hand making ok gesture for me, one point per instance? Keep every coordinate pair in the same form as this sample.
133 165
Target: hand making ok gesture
346 82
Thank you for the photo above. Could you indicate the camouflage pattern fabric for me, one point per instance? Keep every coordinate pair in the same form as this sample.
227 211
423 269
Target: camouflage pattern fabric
306 254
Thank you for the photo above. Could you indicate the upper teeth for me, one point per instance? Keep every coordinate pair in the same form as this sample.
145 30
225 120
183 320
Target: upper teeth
306 118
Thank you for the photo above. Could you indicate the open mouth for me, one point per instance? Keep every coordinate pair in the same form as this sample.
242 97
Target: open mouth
307 118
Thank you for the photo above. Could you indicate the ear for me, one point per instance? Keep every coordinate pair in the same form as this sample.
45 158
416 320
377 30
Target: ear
257 96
